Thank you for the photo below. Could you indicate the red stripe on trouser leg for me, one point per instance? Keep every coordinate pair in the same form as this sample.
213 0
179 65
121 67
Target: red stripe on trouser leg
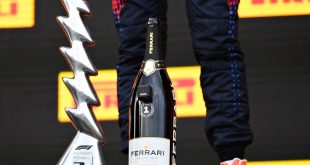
231 2
117 6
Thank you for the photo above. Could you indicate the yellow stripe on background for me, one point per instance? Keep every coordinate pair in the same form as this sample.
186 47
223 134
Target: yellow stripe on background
281 162
271 8
185 80
17 13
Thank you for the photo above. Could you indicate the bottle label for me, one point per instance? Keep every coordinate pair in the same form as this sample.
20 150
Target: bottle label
149 67
149 150
146 109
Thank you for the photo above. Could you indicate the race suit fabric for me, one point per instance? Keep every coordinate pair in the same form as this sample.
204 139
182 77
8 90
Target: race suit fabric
214 30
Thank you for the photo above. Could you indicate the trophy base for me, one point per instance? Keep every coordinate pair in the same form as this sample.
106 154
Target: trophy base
83 150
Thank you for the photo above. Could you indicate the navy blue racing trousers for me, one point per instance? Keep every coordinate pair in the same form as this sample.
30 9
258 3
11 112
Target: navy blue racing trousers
214 30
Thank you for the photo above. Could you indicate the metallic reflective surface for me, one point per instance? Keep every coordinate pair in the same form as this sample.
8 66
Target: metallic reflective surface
86 146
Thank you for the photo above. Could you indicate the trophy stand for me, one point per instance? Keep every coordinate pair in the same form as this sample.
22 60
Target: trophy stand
85 149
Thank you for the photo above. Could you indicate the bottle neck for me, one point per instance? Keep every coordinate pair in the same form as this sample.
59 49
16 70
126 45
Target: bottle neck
153 41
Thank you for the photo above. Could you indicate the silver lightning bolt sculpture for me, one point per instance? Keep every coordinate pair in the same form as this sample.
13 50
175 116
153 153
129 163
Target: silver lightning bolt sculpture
85 149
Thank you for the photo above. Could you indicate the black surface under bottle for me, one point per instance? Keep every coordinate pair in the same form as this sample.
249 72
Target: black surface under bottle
152 116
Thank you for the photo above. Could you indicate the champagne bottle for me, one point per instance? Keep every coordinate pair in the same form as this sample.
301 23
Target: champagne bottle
152 115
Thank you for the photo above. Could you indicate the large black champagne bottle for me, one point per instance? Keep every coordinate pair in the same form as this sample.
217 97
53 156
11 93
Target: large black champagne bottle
152 115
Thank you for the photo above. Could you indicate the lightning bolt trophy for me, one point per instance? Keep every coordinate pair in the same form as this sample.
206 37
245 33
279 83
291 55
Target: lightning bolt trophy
85 149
